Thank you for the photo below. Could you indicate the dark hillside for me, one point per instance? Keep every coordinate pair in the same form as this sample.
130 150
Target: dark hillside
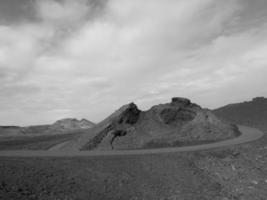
251 113
177 123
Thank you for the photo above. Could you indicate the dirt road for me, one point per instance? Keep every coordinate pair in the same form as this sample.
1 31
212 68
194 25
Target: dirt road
248 134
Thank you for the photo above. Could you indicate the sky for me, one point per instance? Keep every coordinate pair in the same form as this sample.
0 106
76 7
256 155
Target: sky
87 58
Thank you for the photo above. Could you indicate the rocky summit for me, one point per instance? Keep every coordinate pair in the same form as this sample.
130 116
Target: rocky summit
72 123
178 123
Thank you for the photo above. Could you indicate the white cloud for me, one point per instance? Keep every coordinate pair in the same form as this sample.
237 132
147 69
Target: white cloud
66 12
17 44
143 51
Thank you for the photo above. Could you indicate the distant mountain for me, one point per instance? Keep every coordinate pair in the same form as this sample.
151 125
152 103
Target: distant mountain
173 124
72 123
59 127
252 113
11 130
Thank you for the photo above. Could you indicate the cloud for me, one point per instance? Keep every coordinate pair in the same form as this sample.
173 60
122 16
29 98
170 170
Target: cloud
85 59
62 12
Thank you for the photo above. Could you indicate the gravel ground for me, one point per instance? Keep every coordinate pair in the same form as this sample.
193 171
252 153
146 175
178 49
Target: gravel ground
131 177
229 173
237 173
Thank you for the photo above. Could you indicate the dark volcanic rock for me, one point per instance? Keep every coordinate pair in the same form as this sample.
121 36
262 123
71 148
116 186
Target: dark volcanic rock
173 113
168 115
180 101
116 125
130 115
177 122
180 109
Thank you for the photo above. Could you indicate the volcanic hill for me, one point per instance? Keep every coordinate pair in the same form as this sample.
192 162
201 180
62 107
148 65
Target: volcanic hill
59 127
177 123
251 113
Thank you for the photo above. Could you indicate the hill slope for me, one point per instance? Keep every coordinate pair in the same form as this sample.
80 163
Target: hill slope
59 127
177 123
252 113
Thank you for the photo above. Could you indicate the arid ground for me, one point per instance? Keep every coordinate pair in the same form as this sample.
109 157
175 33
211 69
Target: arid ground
236 173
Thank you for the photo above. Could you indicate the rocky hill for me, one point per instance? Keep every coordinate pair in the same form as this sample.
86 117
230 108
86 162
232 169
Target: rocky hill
252 113
59 127
72 123
177 123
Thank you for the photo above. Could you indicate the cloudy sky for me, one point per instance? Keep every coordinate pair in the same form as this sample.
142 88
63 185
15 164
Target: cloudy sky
86 58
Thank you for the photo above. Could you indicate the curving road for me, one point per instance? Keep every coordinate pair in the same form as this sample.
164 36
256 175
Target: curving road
248 134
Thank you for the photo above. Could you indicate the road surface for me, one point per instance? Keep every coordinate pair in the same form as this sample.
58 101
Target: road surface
248 134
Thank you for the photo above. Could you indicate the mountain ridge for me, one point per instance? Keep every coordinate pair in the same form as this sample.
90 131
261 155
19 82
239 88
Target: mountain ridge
61 126
175 123
251 113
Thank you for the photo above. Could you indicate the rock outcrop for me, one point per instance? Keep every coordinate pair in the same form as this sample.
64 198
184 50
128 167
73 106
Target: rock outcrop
179 122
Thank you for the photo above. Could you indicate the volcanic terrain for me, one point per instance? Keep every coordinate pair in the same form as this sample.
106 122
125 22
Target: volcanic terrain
251 113
62 126
235 172
178 123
